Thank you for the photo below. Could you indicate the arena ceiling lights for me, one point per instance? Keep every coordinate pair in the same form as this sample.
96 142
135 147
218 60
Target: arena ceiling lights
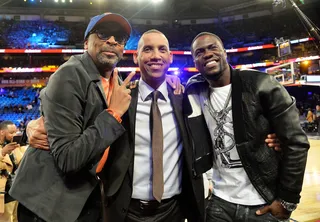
63 1
152 1
156 1
99 1
56 1
95 1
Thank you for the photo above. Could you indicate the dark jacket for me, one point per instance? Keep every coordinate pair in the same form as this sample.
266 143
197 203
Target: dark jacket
260 105
55 185
192 188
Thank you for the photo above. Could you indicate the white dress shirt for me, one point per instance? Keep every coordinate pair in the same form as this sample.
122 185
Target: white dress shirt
172 146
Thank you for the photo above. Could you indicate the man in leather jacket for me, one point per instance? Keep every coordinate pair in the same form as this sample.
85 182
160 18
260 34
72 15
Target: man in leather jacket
229 113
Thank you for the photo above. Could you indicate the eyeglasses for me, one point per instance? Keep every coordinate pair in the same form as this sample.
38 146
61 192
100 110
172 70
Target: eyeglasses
120 37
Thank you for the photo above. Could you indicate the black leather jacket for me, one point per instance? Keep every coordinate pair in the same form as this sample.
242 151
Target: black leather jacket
260 105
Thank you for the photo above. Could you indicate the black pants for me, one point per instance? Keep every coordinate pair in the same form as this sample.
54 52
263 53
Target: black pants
169 211
219 210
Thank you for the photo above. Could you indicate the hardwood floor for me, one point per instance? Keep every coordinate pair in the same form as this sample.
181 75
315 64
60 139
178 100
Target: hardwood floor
309 207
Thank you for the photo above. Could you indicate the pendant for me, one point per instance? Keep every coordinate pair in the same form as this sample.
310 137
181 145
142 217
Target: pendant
219 144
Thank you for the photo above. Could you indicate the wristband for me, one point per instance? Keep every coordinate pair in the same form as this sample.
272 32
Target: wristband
115 115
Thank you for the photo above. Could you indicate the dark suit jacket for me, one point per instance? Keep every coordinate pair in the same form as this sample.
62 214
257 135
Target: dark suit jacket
122 155
55 185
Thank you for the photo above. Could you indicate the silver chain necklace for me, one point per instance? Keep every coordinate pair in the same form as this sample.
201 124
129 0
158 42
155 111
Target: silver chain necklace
221 118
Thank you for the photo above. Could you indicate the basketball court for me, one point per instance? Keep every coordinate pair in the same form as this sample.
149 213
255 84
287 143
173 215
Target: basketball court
309 208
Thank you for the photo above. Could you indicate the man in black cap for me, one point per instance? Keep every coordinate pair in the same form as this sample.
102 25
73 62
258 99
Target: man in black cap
82 120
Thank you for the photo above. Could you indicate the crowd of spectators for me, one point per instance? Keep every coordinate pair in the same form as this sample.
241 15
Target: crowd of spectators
19 105
235 34
34 34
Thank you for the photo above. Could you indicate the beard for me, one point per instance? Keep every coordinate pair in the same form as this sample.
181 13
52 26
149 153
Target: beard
216 75
108 61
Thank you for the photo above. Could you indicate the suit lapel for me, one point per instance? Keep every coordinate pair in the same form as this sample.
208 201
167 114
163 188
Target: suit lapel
94 75
131 123
132 111
101 93
176 103
237 112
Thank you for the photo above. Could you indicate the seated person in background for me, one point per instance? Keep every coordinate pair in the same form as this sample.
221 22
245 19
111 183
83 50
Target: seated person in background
310 116
10 155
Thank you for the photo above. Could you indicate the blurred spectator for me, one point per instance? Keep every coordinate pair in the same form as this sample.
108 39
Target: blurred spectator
310 116
317 118
10 156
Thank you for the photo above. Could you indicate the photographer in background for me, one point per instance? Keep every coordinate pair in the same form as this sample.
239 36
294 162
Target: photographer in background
10 155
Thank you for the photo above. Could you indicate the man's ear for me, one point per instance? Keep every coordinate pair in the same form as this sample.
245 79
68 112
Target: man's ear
85 45
171 57
135 58
225 54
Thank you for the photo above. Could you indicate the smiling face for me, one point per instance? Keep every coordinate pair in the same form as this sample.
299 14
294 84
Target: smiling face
105 53
154 57
210 57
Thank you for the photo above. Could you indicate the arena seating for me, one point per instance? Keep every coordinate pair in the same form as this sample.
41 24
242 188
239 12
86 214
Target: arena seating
241 33
19 104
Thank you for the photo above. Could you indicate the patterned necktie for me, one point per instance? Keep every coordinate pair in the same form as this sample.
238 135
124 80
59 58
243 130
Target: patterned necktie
157 148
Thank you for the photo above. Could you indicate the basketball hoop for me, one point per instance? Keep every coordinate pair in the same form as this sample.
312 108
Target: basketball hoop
275 3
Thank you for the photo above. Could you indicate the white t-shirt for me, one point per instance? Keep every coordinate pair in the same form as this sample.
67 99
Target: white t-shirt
231 182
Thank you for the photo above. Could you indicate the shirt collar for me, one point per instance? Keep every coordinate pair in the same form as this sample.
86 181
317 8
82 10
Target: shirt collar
145 90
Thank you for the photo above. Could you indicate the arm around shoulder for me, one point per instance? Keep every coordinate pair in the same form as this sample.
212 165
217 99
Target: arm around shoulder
280 109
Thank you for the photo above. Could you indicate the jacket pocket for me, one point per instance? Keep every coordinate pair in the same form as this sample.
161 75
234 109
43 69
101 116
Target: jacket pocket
267 162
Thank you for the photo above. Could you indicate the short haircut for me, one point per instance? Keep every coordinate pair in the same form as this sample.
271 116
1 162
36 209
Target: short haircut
4 125
151 31
206 33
